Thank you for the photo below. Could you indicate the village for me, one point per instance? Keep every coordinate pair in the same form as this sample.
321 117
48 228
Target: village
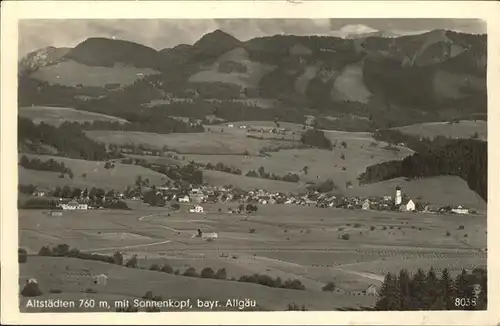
206 194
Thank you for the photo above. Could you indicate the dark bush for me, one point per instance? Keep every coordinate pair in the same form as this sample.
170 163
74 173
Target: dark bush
330 286
221 274
22 255
31 290
191 272
207 272
346 236
295 307
167 269
154 267
55 291
45 251
461 227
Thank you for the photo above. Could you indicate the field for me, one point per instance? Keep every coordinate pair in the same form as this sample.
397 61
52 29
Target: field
88 174
71 73
199 143
287 241
57 115
463 129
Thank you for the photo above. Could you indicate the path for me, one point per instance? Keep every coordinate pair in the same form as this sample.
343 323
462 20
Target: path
128 247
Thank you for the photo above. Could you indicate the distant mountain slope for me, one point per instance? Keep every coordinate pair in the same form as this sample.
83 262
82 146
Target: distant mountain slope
41 58
104 52
370 81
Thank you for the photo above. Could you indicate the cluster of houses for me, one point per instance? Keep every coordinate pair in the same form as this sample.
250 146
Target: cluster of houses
212 194
197 196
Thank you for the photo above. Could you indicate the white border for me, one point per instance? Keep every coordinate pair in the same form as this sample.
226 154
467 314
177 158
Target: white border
13 11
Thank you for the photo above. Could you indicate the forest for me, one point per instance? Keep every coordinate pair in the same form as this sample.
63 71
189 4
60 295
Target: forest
466 158
68 140
427 291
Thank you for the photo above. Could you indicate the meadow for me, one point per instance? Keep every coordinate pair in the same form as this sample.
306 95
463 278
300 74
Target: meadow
88 174
286 241
55 116
462 129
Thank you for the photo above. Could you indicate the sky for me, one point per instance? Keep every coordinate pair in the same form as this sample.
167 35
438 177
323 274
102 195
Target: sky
166 33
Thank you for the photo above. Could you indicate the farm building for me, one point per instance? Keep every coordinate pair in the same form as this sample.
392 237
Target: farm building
366 205
211 235
184 199
74 205
460 210
101 279
371 290
197 209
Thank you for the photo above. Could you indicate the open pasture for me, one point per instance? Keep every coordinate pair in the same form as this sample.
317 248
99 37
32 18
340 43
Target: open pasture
134 283
285 241
462 129
207 143
57 115
88 174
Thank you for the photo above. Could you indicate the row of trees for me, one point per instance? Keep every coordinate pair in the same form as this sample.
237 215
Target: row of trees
427 291
261 173
49 165
223 168
466 158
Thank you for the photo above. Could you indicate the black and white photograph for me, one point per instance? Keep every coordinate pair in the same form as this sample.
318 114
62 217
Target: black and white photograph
251 164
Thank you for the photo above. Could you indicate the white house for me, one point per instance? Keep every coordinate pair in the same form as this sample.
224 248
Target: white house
184 199
196 209
366 205
230 125
460 210
211 235
409 206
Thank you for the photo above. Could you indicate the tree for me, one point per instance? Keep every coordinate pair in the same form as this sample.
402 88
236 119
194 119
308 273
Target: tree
45 251
132 262
207 272
305 169
221 274
330 286
447 291
118 258
404 282
386 294
417 290
167 269
431 291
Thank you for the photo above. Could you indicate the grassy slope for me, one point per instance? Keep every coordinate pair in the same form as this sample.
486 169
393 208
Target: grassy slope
464 129
71 73
57 115
118 178
50 273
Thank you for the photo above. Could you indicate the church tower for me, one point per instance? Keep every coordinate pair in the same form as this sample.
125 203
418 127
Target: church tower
398 198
